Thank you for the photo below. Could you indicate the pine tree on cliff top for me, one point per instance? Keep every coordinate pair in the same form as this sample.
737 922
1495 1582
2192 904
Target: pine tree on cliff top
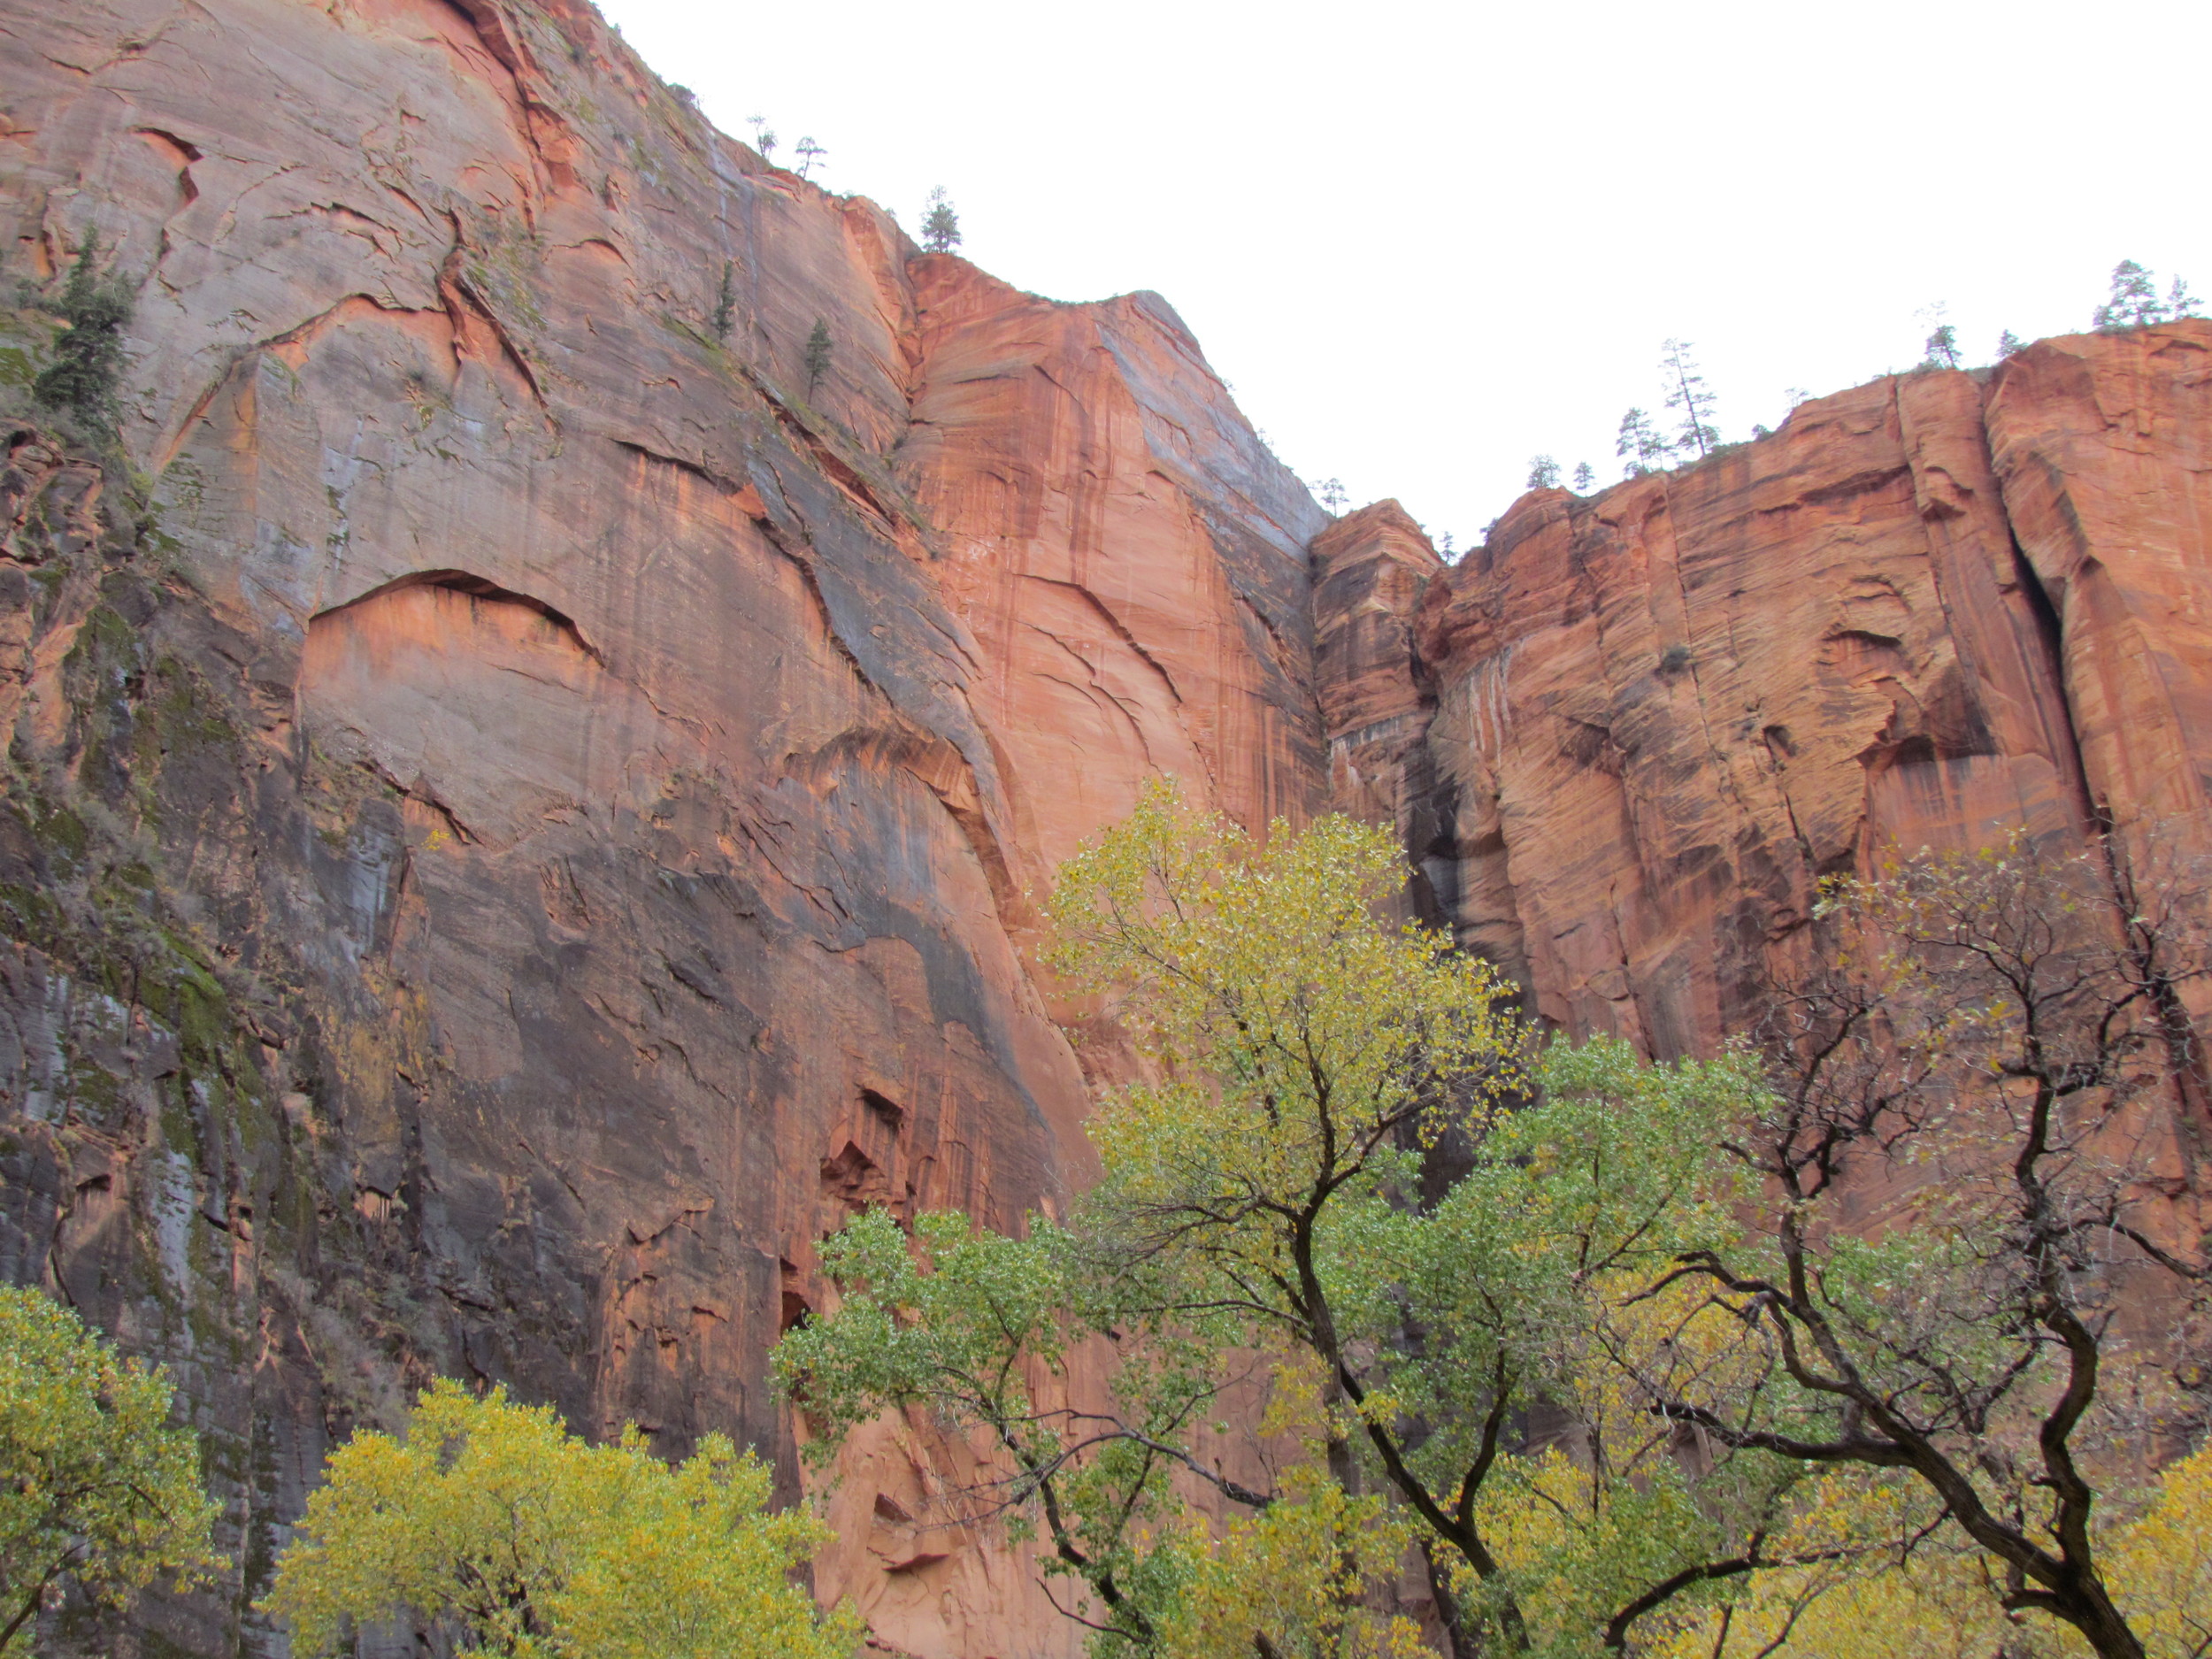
1543 472
1687 395
941 226
2134 300
1641 443
1940 348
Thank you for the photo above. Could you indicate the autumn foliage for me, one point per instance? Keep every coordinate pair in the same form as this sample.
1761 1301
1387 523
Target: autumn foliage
1866 1337
491 1521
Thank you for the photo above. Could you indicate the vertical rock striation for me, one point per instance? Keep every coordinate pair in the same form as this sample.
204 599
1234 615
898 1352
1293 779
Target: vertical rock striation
1926 612
520 816
1128 559
2104 445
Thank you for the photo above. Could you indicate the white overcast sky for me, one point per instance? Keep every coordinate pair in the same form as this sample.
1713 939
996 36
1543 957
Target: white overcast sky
1425 242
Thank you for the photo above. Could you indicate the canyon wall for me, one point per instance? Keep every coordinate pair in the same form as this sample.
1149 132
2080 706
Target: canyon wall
1923 612
522 797
525 802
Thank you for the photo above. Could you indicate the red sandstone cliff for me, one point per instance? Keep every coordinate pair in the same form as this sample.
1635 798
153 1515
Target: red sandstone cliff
580 779
523 810
1924 611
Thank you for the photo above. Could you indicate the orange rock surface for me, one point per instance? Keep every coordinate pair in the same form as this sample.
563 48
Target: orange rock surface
624 756
1665 711
1371 569
1128 557
2104 445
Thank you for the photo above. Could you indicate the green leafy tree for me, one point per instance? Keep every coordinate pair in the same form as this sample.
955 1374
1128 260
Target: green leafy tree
818 347
95 1483
1330 490
2181 303
1691 400
88 354
521 1541
808 153
764 137
1259 1217
1584 478
1543 474
1641 443
940 226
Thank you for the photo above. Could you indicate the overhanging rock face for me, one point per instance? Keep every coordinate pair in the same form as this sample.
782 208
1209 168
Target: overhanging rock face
528 811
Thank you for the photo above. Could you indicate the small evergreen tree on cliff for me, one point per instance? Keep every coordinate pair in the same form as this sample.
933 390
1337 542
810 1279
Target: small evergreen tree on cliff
726 301
764 137
1940 348
809 152
1688 396
1330 490
1641 443
2181 303
2134 302
940 226
2009 345
818 347
88 354
1584 478
1543 472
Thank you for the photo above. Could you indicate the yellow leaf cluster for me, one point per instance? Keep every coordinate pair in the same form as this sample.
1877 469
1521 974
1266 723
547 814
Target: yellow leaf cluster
528 1543
1943 1603
96 1483
1292 1580
1295 1038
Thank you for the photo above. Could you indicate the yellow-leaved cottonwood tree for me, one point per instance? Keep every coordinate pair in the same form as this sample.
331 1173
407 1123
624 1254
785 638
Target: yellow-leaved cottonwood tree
96 1485
522 1541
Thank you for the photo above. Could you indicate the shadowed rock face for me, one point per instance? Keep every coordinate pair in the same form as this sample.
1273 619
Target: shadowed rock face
524 818
524 827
